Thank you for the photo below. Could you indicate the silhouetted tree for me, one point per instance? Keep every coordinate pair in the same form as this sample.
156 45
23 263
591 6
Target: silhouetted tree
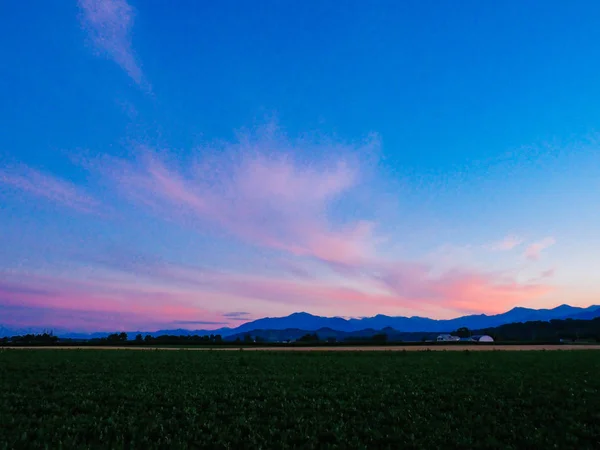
309 338
462 332
380 338
117 337
139 339
35 339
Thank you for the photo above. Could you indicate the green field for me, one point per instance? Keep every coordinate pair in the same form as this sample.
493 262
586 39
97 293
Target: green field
249 400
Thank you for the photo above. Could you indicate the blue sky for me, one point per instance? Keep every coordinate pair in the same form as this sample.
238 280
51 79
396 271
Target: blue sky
165 163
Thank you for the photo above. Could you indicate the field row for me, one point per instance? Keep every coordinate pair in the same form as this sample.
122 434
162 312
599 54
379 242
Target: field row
263 400
361 348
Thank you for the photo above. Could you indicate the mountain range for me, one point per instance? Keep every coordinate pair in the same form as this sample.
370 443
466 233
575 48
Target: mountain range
308 322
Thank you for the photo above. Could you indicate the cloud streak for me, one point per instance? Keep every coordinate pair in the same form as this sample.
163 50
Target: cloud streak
108 24
548 273
261 192
506 244
533 251
49 187
265 199
166 294
106 303
197 322
136 291
236 315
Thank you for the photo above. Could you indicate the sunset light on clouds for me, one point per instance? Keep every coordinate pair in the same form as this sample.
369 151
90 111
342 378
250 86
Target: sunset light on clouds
254 175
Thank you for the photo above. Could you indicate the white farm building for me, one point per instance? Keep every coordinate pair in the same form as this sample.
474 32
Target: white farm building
447 338
477 338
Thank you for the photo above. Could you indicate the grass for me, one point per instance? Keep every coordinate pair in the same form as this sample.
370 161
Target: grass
75 399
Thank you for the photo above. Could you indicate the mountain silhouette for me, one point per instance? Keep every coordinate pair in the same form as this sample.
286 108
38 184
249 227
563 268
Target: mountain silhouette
308 322
305 321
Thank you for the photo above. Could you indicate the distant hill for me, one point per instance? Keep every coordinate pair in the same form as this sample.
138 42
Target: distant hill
300 320
569 329
306 322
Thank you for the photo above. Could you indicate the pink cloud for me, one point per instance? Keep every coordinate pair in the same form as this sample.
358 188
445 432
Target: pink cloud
105 305
269 201
57 318
484 294
508 243
374 286
162 294
533 251
59 191
466 291
548 273
108 23
259 194
313 294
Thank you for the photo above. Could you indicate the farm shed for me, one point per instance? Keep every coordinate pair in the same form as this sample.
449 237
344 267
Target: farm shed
483 338
447 338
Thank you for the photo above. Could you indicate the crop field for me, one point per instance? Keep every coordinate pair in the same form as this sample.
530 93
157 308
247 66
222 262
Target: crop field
323 348
76 399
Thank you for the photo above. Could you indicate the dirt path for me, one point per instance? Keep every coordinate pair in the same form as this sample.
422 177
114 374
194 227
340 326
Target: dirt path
410 348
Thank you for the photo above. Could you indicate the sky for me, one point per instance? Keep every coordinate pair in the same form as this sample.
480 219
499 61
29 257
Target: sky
202 164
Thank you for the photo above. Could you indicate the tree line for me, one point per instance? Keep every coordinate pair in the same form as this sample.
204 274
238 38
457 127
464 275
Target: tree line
47 338
122 338
553 331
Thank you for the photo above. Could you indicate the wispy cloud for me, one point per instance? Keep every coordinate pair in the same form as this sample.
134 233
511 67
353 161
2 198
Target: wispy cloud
109 303
236 315
35 183
264 198
459 290
109 23
197 322
388 287
154 294
544 276
269 194
508 243
533 251
548 273
71 319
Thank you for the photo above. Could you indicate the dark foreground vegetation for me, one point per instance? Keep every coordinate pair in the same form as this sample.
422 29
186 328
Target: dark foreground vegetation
75 399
